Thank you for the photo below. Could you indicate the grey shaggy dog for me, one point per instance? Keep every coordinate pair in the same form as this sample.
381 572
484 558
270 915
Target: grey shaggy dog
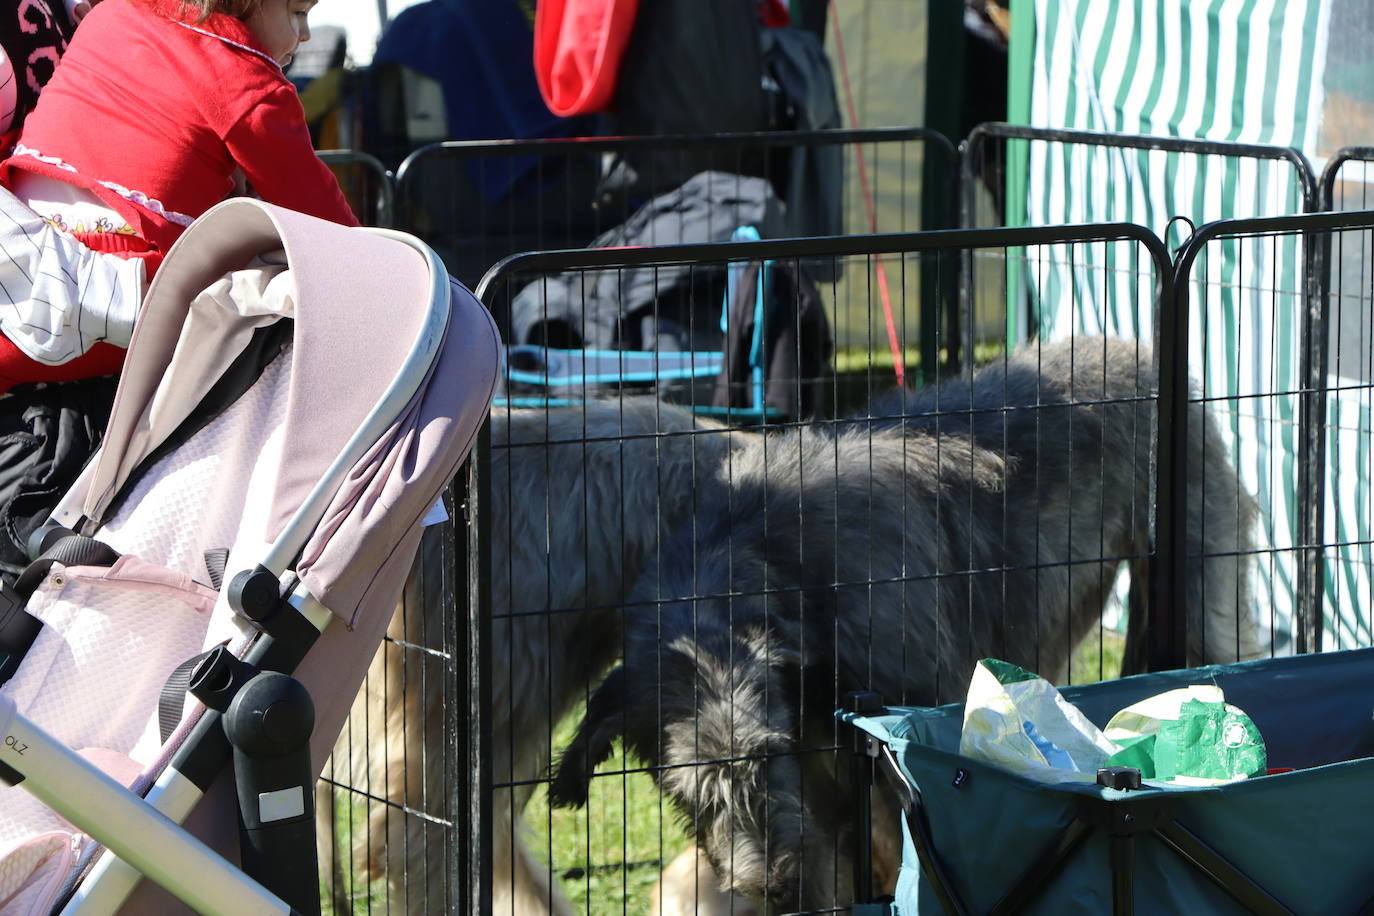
890 557
579 499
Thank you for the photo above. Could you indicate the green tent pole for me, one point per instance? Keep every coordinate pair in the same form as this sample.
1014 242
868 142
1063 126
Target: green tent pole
1020 64
944 103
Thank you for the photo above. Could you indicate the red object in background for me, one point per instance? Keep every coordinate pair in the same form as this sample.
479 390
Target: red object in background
17 367
775 13
577 49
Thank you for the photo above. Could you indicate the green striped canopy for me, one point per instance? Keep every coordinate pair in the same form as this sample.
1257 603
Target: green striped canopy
1238 70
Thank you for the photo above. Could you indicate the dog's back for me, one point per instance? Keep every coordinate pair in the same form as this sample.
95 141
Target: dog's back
1099 395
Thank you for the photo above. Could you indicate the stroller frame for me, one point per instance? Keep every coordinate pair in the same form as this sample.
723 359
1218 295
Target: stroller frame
142 835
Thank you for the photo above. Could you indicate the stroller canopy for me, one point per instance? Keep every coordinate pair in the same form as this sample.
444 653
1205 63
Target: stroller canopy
346 360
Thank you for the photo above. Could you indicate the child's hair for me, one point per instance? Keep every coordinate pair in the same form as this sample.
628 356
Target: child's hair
239 9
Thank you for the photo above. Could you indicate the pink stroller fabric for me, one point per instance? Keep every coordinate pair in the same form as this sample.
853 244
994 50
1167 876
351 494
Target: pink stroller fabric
360 303
350 339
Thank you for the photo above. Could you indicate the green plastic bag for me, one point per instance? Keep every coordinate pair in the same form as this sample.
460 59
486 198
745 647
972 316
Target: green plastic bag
1189 736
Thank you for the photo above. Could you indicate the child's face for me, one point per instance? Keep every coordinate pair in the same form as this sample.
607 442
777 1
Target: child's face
281 26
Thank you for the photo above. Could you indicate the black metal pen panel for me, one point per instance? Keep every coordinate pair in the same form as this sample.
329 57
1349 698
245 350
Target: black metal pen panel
476 202
1344 182
1014 175
690 564
1275 321
366 184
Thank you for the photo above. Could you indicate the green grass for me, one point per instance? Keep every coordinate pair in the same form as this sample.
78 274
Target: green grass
627 821
1098 657
608 855
350 816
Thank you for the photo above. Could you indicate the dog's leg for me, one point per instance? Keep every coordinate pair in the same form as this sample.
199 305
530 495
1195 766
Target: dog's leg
331 864
393 735
521 883
357 761
887 841
1136 657
1219 539
688 886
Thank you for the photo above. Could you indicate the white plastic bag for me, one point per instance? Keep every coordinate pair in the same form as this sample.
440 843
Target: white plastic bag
1018 721
1188 736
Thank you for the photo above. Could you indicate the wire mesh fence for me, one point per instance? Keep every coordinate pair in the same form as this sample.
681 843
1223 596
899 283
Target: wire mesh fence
400 816
390 817
1342 371
366 184
479 201
1296 405
702 518
1168 185
1171 186
681 596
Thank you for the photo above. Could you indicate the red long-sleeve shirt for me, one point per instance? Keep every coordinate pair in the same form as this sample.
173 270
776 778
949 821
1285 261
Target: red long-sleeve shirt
151 111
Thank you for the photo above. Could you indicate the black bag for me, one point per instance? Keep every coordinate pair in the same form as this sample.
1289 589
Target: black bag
710 67
632 308
690 67
778 343
47 433
34 35
809 179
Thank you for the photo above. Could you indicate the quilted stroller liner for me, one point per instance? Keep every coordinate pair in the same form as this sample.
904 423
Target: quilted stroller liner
296 397
979 839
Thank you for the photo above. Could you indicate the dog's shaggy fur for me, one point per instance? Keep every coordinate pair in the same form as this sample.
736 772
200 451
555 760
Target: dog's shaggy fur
991 521
579 497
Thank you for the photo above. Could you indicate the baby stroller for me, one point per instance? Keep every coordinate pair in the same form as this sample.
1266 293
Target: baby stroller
296 397
980 839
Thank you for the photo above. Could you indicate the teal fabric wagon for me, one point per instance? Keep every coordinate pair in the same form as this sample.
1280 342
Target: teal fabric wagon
978 839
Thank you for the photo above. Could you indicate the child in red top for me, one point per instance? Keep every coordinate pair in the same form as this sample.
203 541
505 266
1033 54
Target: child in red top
156 106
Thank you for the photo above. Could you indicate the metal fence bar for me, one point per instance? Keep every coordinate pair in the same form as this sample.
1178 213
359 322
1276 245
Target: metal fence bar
834 246
383 202
499 149
467 722
1313 397
1331 173
971 149
1310 637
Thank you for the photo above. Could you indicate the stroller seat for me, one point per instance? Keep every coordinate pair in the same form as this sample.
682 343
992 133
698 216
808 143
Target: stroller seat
296 397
